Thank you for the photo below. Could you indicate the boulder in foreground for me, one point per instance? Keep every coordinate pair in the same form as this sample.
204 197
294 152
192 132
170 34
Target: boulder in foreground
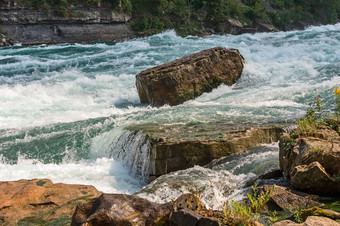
189 77
311 221
40 202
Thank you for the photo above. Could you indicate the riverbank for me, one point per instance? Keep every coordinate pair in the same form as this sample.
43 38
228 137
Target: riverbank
74 21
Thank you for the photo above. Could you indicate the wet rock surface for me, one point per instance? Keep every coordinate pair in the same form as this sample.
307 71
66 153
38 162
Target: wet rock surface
180 147
40 202
189 77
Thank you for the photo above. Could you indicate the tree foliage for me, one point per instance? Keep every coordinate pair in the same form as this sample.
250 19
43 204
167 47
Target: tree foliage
189 16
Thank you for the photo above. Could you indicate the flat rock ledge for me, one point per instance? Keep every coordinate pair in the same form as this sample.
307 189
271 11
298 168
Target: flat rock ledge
41 202
189 77
179 147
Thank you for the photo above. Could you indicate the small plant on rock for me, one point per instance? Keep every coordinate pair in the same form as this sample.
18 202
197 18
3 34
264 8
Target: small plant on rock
273 217
337 101
244 212
258 200
297 216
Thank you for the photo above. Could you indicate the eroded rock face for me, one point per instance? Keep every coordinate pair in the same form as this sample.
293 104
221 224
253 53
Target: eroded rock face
80 23
186 78
170 154
40 201
312 163
119 209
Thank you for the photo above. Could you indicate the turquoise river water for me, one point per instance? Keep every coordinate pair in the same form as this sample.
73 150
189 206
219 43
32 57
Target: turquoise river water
64 107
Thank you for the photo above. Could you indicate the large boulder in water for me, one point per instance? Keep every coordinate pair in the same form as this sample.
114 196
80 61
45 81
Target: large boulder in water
186 78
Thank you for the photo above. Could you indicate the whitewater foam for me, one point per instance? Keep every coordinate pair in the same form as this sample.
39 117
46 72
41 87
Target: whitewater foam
78 98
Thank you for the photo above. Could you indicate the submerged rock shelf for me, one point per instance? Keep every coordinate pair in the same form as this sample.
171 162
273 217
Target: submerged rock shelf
180 147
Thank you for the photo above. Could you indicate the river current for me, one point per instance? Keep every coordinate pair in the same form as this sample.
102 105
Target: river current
63 108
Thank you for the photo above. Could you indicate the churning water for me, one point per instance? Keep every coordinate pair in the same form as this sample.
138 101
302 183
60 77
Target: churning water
63 108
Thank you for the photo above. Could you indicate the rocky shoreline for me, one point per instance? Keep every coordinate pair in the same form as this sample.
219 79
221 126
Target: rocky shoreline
84 22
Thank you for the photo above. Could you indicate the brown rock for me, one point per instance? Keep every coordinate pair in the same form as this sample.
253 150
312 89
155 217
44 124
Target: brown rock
316 211
264 26
39 201
209 221
283 199
314 178
119 209
312 161
189 210
186 78
311 221
177 147
276 173
185 217
188 201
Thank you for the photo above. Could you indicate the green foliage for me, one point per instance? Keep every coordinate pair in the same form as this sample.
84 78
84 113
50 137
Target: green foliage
289 143
309 123
317 149
273 217
34 220
258 200
336 177
333 205
247 213
190 16
40 183
297 216
337 103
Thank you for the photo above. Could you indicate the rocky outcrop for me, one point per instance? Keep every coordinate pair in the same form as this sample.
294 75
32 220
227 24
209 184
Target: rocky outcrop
312 162
186 78
177 147
35 34
79 23
264 26
311 221
40 202
235 27
316 211
118 209
281 199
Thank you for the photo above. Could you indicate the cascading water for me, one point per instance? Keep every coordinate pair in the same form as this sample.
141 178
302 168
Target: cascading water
63 108
133 150
222 180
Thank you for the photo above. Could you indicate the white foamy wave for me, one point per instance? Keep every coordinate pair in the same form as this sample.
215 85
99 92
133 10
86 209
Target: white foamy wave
67 97
107 175
218 182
